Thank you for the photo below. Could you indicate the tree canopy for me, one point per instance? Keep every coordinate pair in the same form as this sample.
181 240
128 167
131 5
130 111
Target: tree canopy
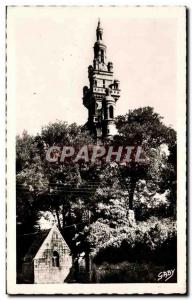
91 202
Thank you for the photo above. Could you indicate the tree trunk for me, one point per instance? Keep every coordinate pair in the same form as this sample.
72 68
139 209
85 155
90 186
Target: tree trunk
58 220
63 215
131 193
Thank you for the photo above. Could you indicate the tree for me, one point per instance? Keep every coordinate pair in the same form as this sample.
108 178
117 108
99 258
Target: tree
30 180
53 186
142 127
88 199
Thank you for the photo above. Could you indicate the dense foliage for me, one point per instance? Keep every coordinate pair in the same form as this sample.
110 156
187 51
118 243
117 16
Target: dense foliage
91 203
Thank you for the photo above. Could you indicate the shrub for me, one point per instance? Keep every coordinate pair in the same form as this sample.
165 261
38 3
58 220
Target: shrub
146 239
148 201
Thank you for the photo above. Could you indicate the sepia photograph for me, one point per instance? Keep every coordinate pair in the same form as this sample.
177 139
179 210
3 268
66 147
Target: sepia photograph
96 150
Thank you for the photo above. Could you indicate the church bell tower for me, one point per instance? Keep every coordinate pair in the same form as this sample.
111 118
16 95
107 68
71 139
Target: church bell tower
103 92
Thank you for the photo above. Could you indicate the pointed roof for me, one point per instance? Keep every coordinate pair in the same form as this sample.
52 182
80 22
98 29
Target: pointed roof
47 240
99 31
36 244
99 23
38 241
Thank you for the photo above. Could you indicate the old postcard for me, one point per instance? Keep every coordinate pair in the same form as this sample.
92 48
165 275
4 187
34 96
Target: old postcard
96 150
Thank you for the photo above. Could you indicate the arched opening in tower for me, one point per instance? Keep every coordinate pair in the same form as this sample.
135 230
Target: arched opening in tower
111 112
102 55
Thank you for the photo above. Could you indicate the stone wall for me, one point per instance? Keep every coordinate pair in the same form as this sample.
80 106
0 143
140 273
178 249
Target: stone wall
28 272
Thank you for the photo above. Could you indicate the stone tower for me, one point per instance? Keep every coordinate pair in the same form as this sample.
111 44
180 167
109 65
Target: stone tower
103 92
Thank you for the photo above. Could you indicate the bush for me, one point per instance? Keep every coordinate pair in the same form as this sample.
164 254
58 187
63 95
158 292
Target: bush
148 201
155 239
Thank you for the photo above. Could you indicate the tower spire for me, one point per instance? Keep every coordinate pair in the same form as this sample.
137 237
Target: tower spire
99 31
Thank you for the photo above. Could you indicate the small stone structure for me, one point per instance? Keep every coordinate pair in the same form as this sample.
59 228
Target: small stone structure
48 260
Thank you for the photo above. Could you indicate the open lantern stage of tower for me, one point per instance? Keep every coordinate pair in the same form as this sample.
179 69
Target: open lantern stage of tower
101 97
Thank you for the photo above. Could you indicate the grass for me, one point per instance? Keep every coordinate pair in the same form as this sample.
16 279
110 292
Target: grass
130 272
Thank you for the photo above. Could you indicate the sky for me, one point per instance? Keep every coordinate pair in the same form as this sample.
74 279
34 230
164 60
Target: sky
50 49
